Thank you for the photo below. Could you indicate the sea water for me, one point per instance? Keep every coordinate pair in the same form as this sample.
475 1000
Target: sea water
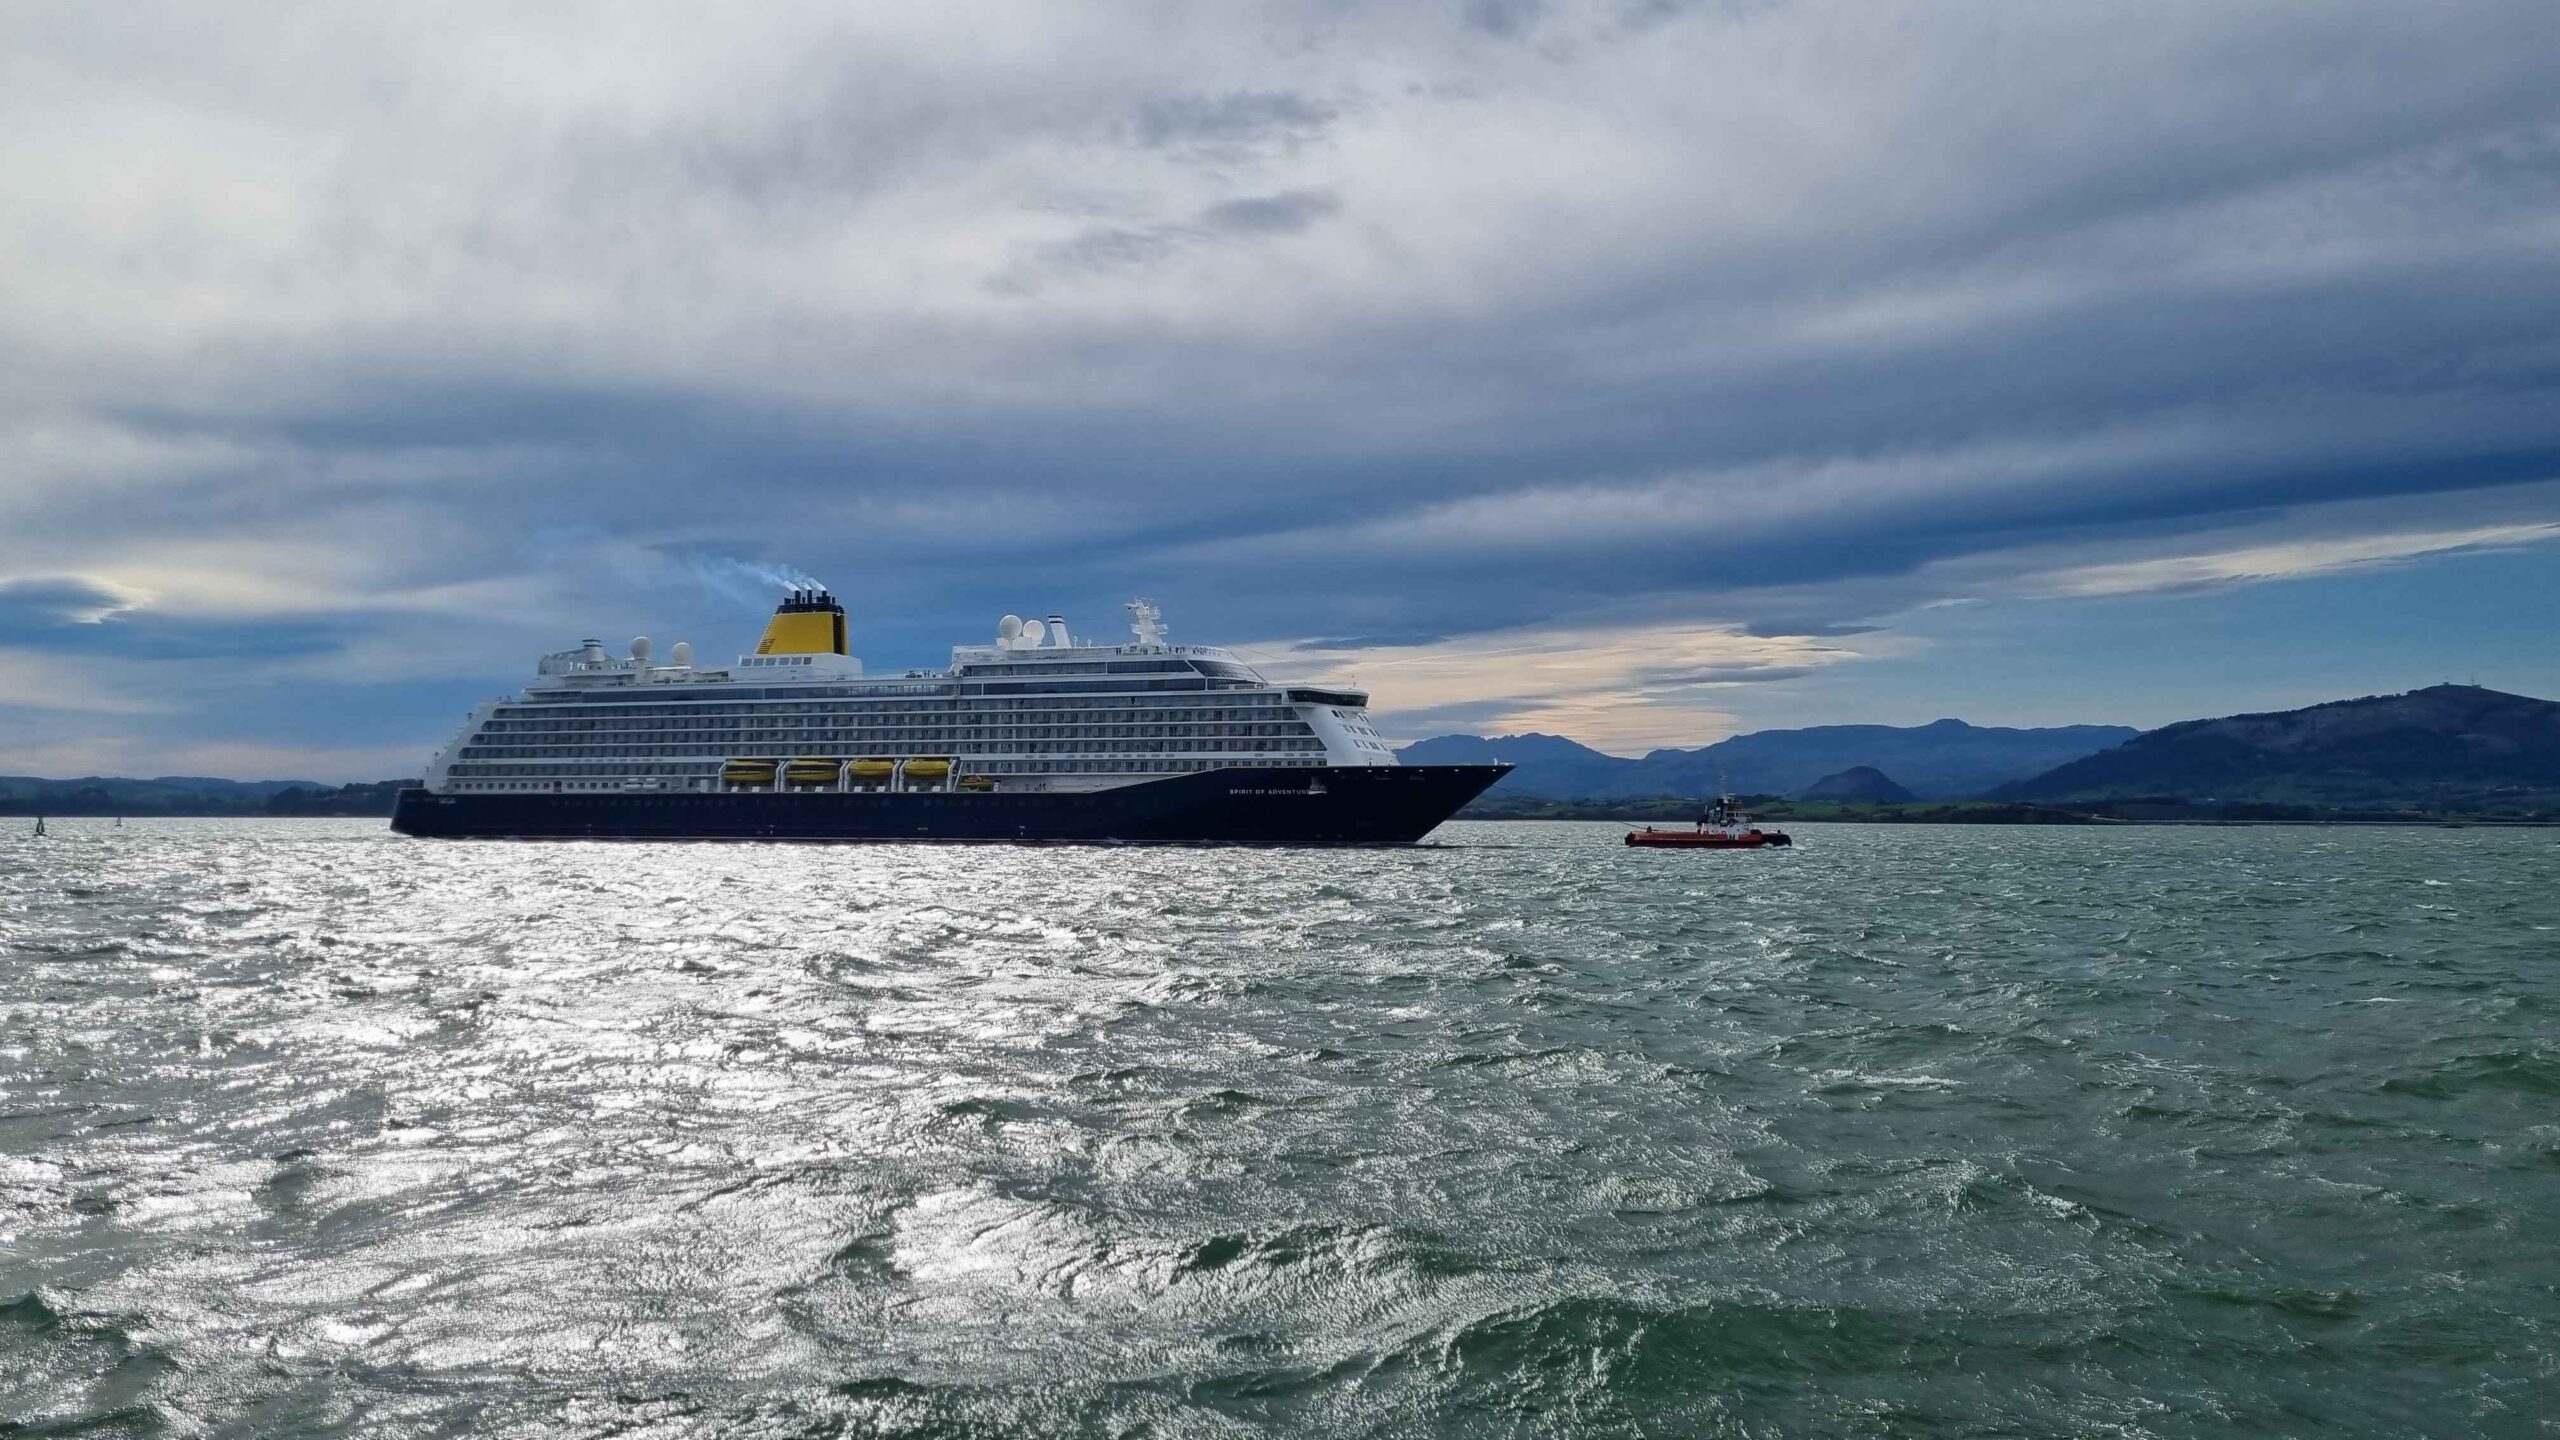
309 1130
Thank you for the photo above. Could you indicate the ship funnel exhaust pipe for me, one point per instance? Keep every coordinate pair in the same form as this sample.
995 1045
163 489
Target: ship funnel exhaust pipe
807 622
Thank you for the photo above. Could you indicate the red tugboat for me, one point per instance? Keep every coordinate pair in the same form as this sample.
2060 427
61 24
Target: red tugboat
1721 827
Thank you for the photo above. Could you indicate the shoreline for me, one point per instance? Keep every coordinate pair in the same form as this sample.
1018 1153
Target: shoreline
2107 822
2142 812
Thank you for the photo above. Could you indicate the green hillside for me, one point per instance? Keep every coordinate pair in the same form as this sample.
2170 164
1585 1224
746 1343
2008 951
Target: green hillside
2447 748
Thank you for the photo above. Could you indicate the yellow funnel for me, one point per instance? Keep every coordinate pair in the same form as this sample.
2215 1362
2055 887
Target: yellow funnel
807 622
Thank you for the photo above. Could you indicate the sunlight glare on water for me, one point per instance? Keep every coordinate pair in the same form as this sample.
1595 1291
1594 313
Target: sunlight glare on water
312 1130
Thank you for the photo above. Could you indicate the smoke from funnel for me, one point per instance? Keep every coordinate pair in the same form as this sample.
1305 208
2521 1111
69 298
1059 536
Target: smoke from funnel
748 582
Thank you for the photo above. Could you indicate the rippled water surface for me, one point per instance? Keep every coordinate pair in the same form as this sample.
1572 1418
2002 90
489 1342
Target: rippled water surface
309 1130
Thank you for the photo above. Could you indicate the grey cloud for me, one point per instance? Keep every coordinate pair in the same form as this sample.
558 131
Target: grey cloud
1279 214
1726 675
1472 717
1646 14
1401 641
1240 118
1816 629
1113 248
74 615
1506 18
47 602
1105 248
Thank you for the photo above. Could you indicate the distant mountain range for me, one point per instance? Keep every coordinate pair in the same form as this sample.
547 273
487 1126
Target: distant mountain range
164 788
191 795
1943 760
2447 747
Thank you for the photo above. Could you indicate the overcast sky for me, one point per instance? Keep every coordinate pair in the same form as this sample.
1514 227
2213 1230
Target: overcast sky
1636 370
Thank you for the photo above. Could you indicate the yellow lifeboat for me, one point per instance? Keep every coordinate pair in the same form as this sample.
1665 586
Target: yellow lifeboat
873 772
747 772
927 772
813 772
976 782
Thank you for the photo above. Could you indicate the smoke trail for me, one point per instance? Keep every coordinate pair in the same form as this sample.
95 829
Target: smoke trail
747 582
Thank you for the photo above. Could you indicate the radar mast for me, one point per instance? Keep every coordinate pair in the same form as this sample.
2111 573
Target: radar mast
1146 621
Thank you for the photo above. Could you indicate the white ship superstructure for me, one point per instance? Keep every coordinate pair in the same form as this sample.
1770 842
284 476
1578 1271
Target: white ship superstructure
1036 710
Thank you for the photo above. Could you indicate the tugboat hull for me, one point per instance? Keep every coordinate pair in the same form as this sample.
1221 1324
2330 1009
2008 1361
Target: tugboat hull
1347 805
1685 840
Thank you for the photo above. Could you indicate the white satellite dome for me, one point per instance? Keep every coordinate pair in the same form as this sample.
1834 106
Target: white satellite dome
640 648
1009 630
683 653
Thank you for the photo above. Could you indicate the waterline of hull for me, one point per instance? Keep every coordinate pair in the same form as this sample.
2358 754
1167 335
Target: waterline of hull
1375 805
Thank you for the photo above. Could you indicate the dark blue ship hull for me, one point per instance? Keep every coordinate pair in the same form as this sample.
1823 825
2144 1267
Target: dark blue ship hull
1353 805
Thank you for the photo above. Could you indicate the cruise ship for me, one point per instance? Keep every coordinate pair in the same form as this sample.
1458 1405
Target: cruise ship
1039 736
